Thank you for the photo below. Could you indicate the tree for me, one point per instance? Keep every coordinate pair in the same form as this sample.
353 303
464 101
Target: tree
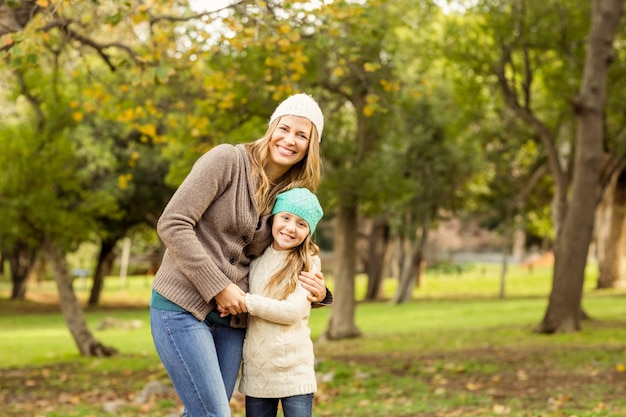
434 170
378 242
609 232
19 241
355 71
141 195
149 50
564 309
535 52
60 199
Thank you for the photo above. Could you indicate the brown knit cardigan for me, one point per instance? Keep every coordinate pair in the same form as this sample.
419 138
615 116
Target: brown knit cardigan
212 230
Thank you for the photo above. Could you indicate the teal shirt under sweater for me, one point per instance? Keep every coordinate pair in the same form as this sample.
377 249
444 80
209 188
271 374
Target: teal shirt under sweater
157 301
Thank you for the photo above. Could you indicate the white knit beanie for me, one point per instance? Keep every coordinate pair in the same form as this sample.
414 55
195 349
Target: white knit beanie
302 105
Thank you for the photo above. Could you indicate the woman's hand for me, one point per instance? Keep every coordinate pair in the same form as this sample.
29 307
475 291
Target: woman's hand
231 300
315 284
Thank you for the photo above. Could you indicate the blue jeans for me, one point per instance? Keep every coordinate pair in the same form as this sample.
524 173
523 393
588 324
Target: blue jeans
296 406
201 358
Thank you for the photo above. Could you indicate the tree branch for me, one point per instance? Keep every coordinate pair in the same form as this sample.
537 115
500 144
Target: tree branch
34 101
15 18
64 26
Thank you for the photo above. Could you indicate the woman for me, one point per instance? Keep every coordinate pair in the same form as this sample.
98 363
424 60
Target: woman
214 225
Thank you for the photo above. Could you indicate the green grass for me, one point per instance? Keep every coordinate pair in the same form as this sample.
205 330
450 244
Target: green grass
456 350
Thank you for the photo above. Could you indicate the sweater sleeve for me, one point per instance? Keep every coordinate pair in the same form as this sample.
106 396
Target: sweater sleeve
209 177
288 311
328 300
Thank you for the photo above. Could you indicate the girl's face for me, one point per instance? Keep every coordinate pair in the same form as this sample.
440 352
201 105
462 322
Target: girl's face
289 144
288 230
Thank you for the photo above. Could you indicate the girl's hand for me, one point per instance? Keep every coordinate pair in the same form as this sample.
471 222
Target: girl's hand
315 284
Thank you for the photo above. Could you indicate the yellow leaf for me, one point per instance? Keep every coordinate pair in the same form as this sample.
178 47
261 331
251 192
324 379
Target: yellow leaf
283 44
148 130
123 180
126 116
132 161
370 67
7 41
620 367
338 72
139 111
470 386
368 110
77 116
371 99
43 3
601 406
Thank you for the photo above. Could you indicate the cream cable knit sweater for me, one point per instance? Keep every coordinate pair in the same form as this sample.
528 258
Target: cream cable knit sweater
278 356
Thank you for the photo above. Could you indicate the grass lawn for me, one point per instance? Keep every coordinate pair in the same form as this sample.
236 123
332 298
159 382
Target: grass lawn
456 350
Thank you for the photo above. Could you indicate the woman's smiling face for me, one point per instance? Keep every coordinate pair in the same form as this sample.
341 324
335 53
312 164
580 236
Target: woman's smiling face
289 144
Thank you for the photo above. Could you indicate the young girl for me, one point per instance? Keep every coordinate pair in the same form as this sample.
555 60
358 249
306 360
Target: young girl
278 351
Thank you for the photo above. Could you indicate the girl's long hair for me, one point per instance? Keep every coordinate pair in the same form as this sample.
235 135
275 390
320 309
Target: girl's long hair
298 259
304 174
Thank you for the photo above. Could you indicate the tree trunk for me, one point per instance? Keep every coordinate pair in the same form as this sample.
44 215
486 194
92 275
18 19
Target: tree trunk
563 314
409 271
105 260
341 323
15 15
412 264
379 238
610 236
70 306
21 261
506 248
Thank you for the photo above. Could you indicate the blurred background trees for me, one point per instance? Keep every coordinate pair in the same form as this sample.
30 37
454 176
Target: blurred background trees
435 110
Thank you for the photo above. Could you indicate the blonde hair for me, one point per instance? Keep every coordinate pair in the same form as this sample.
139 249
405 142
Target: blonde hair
306 173
298 259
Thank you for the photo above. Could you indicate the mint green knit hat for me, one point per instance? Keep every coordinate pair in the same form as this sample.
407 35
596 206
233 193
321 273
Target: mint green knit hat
301 202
